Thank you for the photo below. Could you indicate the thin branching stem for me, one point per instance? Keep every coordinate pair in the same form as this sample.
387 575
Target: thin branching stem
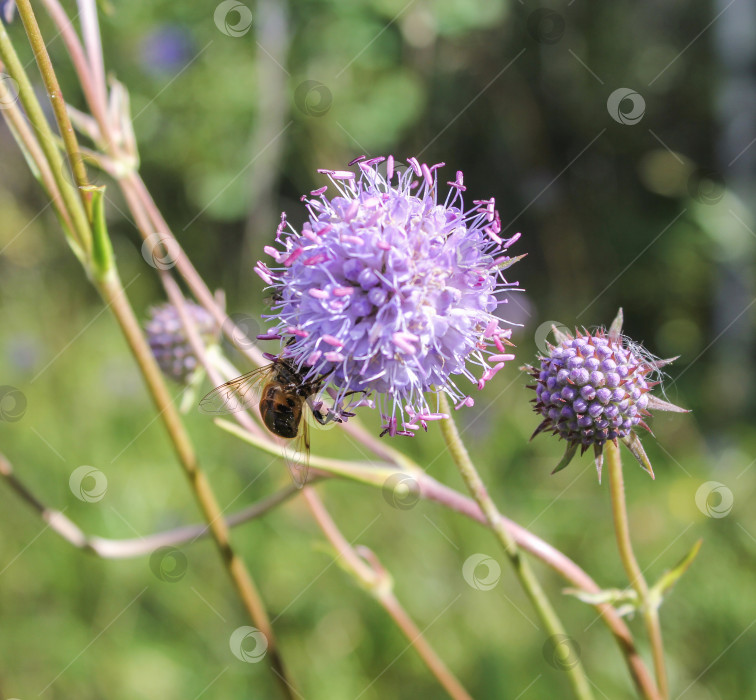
371 575
114 295
530 584
107 548
427 489
377 475
55 94
649 607
31 148
93 93
79 230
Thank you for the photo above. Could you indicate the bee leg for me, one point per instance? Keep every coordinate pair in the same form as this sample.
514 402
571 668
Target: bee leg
326 418
322 417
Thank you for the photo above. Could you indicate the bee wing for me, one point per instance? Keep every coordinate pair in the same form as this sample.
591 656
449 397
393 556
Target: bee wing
236 395
297 455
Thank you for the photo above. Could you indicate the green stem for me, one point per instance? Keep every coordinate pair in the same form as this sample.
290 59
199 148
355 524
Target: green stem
377 581
112 292
649 608
50 80
428 489
537 596
31 149
73 204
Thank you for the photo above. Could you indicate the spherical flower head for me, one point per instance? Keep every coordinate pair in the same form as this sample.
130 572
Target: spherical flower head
386 291
594 387
168 342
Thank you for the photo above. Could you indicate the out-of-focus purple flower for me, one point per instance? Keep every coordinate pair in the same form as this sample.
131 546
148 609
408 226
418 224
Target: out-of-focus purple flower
169 344
7 8
387 291
167 49
593 387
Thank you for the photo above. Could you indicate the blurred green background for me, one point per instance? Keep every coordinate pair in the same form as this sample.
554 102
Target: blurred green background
655 214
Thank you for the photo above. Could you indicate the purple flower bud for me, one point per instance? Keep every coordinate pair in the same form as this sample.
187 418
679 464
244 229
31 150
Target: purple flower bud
602 378
169 343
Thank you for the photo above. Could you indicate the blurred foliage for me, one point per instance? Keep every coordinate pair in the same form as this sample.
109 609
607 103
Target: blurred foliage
613 215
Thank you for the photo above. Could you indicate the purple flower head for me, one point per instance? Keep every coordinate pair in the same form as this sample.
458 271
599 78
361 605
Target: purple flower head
386 291
167 49
593 387
169 344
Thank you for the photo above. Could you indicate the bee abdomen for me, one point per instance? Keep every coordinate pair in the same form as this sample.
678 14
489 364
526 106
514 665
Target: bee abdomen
280 413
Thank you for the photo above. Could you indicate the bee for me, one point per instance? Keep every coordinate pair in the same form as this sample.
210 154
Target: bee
281 392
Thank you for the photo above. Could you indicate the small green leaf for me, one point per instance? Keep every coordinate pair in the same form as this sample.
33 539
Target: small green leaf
612 596
670 577
569 453
102 250
634 445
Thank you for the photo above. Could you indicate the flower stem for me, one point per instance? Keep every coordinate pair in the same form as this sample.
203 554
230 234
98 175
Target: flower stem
377 581
377 476
428 489
113 293
107 548
537 596
649 608
80 231
56 98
